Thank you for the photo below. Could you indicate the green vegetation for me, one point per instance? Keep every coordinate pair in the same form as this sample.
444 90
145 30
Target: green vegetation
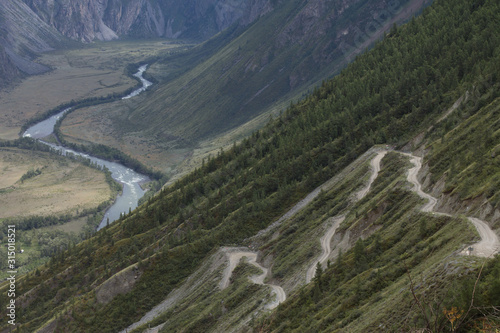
208 309
388 238
275 60
30 174
47 190
468 153
239 77
387 95
36 247
98 150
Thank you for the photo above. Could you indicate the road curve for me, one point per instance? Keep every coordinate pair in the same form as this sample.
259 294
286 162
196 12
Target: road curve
234 257
326 239
412 178
489 243
325 245
375 164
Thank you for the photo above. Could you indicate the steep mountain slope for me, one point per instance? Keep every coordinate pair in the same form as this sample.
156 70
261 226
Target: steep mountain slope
388 95
87 21
22 36
8 71
239 75
294 46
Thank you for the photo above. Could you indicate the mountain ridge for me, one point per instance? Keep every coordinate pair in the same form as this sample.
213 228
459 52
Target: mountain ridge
113 19
237 76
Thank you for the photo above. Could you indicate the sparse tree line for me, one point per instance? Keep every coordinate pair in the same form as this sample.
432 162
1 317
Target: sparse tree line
98 150
30 174
107 153
39 221
27 143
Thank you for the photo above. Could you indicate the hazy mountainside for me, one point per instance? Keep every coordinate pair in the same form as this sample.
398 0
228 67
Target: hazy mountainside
28 27
85 20
8 71
391 94
22 36
242 73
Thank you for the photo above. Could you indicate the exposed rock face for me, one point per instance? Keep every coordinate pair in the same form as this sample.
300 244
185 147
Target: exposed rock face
88 20
29 27
79 20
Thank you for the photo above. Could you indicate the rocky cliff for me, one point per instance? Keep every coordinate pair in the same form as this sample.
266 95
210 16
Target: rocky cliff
85 20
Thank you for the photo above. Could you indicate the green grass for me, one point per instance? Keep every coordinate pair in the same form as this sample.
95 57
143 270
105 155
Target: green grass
208 308
357 287
226 88
466 156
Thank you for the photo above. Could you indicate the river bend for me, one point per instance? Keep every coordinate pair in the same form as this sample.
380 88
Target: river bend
130 179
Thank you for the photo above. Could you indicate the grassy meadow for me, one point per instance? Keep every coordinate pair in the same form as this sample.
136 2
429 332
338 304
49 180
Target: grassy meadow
38 185
62 186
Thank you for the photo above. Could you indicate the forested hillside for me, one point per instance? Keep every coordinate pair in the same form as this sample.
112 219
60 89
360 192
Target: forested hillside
241 76
387 96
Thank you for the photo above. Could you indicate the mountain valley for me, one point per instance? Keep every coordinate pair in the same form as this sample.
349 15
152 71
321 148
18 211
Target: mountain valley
314 167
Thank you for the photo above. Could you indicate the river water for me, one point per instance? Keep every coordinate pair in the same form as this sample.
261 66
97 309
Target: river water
130 179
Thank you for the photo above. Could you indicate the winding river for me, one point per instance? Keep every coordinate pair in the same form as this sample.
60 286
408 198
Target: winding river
130 179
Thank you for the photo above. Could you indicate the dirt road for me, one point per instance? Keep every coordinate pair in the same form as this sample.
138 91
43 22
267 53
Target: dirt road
234 256
375 164
489 243
325 245
412 178
326 239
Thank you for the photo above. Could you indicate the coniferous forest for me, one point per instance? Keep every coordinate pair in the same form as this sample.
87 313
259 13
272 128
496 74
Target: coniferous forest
387 96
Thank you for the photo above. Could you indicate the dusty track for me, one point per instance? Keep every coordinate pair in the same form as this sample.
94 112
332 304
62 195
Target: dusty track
489 243
325 245
412 178
375 164
234 257
327 237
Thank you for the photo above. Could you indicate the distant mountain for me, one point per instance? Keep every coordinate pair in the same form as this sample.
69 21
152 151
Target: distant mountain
28 27
88 20
23 35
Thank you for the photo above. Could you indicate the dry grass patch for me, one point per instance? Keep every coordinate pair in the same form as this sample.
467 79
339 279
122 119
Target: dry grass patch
62 187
